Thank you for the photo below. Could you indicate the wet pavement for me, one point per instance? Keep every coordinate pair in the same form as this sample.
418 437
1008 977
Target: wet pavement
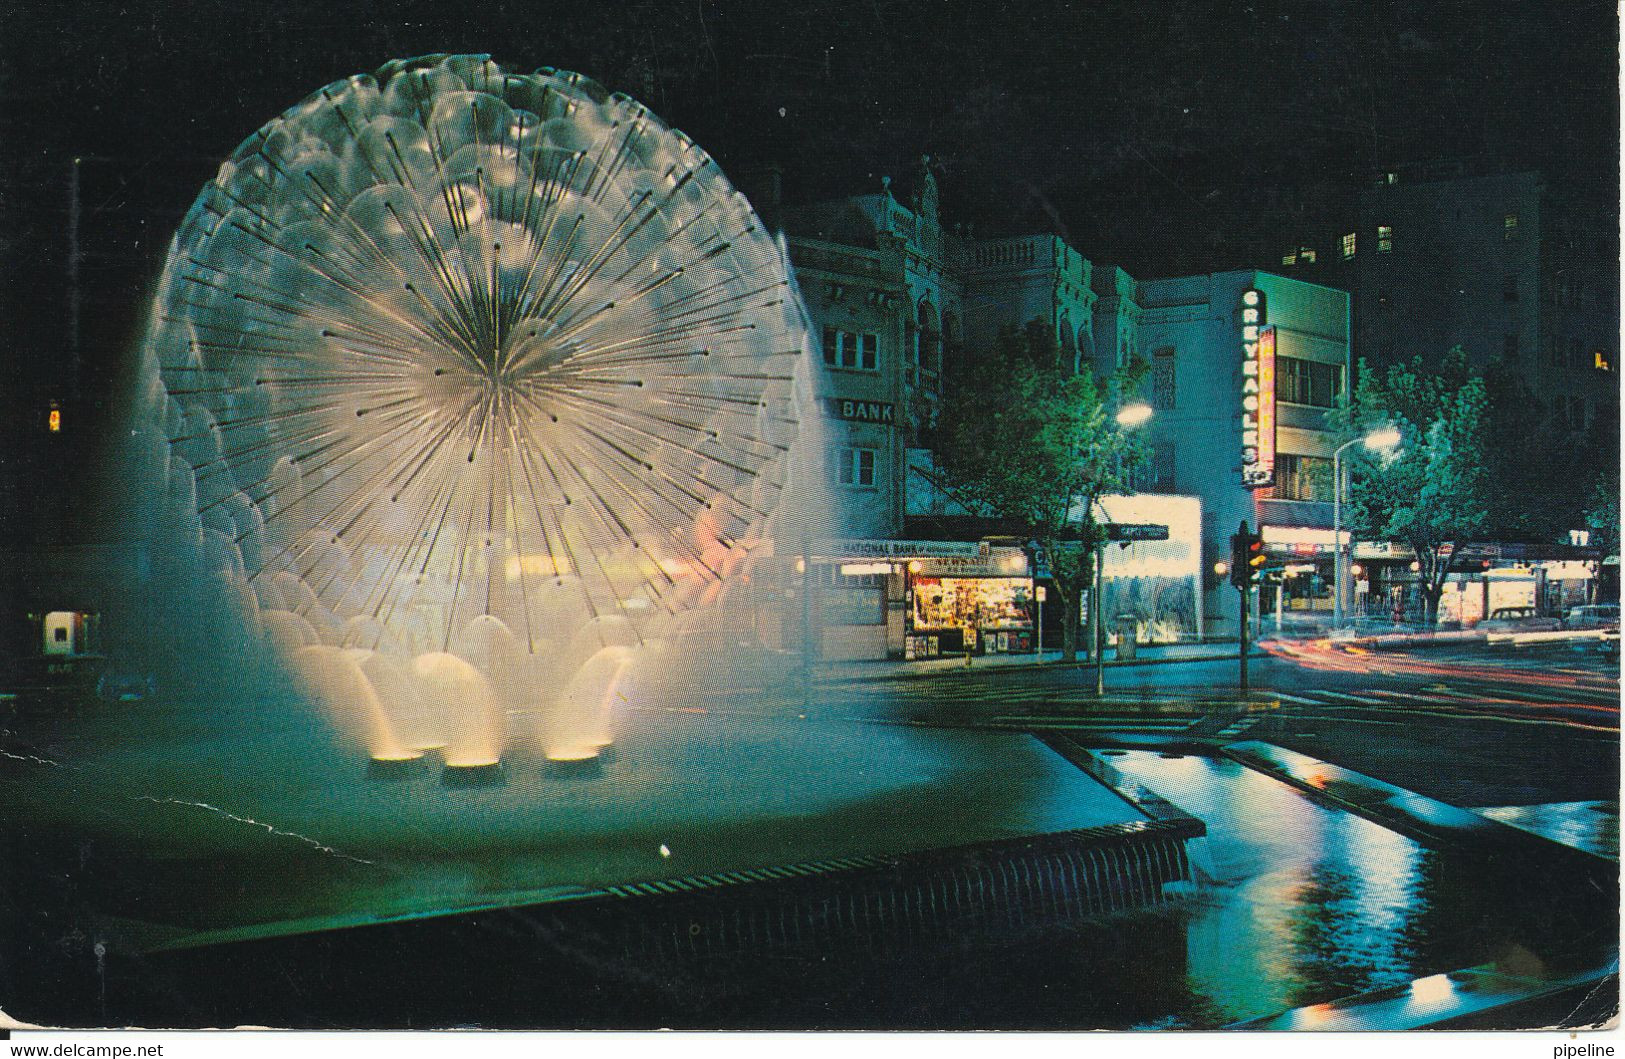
1306 904
1589 826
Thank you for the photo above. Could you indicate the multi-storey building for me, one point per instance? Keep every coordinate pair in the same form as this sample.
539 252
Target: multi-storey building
1243 368
1521 275
892 294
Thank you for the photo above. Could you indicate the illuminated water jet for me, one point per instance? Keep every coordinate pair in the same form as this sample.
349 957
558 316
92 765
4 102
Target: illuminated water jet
471 384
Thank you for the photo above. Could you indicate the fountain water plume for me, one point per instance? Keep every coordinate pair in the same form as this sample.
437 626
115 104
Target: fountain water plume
481 391
335 678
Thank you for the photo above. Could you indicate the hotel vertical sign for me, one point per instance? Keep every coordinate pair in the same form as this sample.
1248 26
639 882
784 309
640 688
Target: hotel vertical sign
1257 393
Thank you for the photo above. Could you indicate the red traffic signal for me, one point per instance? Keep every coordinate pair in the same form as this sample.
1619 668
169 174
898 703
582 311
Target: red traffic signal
1247 556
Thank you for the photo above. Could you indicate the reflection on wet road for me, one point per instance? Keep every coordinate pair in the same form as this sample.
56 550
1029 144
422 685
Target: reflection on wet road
1305 904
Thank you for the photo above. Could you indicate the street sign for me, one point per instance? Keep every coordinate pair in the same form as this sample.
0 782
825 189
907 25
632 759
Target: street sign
1136 531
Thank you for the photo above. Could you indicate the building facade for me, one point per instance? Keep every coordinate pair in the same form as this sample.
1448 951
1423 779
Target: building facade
1244 367
893 296
1519 274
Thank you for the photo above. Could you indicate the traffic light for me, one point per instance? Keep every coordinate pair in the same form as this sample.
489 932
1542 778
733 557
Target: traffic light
1247 556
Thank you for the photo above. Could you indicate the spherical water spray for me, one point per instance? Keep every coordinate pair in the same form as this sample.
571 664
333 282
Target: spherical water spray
470 384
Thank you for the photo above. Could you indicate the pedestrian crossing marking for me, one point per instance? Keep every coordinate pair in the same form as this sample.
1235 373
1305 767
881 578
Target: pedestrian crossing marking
1363 700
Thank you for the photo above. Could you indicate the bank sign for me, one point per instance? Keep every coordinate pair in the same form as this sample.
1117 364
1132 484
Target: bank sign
861 411
1257 393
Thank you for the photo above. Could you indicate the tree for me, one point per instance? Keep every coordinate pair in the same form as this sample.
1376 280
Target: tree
1546 469
1433 491
1602 513
1023 437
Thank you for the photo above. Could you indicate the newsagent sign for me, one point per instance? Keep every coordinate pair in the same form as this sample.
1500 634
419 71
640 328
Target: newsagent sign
1257 393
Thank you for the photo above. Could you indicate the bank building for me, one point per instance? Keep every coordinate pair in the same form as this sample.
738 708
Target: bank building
894 295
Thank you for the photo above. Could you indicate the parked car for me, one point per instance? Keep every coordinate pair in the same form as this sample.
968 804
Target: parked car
1518 619
1592 616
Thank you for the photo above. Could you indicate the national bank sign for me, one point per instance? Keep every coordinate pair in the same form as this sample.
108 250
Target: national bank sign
1257 393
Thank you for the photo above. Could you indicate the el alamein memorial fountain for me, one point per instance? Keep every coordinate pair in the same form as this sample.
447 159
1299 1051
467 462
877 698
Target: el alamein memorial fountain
473 394
478 484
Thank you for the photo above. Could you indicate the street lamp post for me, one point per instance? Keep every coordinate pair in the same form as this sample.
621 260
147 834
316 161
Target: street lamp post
1128 417
1386 438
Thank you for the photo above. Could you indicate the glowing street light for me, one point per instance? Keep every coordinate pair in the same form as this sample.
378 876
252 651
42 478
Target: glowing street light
1132 415
1386 438
1383 439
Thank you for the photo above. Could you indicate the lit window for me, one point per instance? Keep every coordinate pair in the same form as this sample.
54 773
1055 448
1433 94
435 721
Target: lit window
1509 227
1290 258
1600 361
856 468
1385 238
1348 246
1306 255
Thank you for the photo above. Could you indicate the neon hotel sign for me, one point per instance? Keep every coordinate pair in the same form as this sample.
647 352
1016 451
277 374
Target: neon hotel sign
1257 393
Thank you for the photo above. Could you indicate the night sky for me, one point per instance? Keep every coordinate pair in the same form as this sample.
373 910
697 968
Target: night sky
1167 136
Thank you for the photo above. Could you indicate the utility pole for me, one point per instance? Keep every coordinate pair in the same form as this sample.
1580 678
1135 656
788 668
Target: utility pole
1245 592
1096 604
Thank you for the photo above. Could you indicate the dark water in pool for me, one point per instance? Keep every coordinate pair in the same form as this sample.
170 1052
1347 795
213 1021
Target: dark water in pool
1295 904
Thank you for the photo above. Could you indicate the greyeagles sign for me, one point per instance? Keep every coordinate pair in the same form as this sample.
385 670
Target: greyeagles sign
1257 393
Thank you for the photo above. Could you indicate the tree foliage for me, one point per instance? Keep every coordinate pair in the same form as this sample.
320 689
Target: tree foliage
1434 491
1602 511
1024 437
1546 469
